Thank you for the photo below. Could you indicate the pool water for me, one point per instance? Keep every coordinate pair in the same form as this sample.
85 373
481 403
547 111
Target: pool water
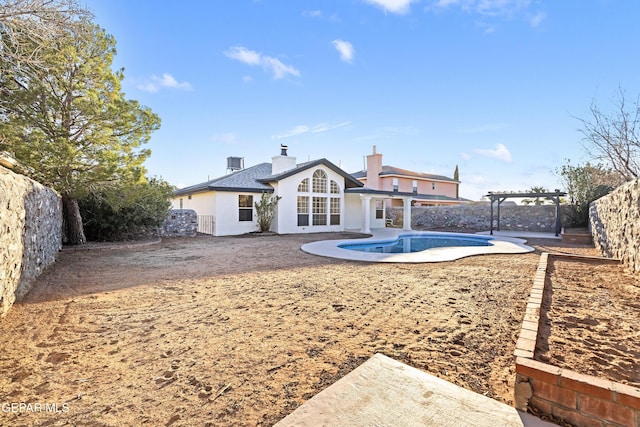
418 243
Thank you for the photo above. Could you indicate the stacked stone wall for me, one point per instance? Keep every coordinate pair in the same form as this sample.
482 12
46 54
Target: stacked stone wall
477 216
615 224
30 234
181 223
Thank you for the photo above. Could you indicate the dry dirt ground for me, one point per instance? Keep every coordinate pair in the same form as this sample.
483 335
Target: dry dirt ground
591 321
243 330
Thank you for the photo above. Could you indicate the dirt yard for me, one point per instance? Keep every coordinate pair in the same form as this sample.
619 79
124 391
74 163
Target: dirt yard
591 321
243 330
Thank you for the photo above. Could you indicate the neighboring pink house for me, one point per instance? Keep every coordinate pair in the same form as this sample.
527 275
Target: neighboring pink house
425 189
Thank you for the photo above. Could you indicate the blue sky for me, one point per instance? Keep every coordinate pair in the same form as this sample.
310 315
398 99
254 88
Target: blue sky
493 86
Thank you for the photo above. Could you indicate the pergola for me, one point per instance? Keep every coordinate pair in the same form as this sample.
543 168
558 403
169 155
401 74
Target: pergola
501 197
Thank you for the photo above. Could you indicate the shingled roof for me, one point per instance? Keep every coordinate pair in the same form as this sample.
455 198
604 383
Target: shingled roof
256 179
392 170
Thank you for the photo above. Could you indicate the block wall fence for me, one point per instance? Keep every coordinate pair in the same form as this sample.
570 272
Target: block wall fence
615 224
477 216
30 234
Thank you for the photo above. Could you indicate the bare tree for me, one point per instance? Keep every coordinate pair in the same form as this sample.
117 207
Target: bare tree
26 26
614 139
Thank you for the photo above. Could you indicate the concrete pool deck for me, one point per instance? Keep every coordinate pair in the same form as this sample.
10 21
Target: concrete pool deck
501 244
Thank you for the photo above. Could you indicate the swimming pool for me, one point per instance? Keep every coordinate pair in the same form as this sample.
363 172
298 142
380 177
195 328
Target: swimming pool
409 243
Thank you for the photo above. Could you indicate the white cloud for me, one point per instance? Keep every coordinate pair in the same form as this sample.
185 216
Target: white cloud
302 129
312 14
269 63
154 83
399 7
228 138
500 152
345 49
537 19
465 156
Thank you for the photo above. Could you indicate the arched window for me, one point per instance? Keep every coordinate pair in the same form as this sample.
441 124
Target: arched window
303 187
335 189
319 181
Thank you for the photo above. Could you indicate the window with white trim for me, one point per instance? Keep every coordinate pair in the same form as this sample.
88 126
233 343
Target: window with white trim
319 211
245 207
395 184
303 211
335 189
319 181
303 187
334 211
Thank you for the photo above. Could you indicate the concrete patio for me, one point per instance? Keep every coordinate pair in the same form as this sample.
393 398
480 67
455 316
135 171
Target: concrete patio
385 392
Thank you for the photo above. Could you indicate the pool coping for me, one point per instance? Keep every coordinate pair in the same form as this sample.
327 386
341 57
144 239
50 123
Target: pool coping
331 249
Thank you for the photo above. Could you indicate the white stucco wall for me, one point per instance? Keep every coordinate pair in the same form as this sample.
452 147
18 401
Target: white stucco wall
227 216
287 215
202 203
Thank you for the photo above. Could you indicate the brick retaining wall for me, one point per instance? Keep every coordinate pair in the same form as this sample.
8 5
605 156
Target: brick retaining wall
582 400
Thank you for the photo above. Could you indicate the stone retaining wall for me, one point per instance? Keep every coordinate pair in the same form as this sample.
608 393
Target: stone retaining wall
615 224
30 234
181 223
477 216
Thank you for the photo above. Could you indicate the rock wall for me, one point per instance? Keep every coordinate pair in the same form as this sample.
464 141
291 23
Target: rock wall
615 224
30 234
477 216
181 223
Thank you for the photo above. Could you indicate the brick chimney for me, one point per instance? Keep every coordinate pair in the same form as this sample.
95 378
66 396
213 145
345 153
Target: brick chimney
374 167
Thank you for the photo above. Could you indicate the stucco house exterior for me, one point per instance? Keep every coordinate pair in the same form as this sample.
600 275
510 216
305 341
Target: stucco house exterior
424 189
316 196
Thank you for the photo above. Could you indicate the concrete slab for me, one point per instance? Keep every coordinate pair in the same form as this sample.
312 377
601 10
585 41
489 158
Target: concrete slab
523 234
331 248
385 392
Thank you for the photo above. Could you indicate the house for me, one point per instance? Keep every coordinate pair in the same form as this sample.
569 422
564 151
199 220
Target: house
315 196
425 189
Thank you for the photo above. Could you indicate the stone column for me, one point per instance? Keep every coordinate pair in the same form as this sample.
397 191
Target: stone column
366 211
406 213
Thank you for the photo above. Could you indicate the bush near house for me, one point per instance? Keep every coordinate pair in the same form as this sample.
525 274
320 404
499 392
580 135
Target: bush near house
126 211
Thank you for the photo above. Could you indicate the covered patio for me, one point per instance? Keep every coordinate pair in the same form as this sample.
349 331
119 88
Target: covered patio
367 208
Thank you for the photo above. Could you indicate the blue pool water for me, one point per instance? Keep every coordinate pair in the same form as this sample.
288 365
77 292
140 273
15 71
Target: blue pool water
417 243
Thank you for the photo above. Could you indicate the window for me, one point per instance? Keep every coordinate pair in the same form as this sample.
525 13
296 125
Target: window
245 208
379 209
415 186
335 189
303 211
433 185
303 187
319 181
334 211
319 212
395 184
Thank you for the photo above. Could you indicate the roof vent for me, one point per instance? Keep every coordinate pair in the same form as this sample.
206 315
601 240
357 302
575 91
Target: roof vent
235 163
283 150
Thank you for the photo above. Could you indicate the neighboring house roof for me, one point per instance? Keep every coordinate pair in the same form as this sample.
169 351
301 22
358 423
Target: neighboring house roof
242 180
256 179
416 196
350 181
394 171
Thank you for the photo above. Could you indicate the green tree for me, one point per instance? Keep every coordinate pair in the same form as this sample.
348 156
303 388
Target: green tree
68 123
265 210
584 184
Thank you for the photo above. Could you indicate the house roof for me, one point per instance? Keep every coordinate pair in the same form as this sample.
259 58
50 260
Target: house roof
256 179
392 171
350 181
415 196
242 180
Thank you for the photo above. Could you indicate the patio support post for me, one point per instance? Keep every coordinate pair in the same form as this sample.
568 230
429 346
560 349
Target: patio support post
406 213
491 227
366 211
558 219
